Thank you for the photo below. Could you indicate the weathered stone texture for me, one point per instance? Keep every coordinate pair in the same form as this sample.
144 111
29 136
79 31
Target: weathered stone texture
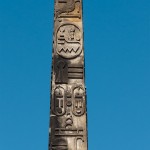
68 128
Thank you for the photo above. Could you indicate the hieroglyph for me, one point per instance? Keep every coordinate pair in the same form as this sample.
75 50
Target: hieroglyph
68 116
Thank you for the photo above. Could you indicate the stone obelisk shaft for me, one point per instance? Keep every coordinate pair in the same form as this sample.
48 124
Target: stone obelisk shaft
68 125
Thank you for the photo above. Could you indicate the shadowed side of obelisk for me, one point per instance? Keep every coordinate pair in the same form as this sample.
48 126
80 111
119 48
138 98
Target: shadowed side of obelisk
68 129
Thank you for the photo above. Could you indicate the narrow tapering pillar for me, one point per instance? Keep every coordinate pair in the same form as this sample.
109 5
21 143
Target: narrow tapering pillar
68 116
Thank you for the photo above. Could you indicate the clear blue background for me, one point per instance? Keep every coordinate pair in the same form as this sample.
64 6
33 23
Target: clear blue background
117 55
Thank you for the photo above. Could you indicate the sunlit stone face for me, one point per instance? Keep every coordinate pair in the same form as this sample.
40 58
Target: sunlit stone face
68 129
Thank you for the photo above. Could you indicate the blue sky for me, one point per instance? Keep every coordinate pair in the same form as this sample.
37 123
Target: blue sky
117 57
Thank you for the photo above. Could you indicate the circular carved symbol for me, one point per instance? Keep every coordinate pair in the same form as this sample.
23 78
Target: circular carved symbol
69 42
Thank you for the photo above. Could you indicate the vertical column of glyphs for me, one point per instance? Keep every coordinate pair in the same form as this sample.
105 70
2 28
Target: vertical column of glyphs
68 98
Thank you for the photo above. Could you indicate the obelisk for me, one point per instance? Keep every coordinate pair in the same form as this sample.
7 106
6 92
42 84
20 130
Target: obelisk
68 116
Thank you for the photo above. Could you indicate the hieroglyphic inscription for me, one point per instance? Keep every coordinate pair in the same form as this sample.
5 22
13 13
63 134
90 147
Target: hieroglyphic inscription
68 130
69 99
59 144
79 143
75 71
67 9
69 43
61 69
78 101
59 101
65 71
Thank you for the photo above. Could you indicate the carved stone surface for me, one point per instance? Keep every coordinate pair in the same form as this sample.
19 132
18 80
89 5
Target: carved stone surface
68 128
69 43
67 8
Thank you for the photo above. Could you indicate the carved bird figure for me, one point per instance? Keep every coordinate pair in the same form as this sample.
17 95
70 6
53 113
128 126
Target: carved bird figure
65 6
